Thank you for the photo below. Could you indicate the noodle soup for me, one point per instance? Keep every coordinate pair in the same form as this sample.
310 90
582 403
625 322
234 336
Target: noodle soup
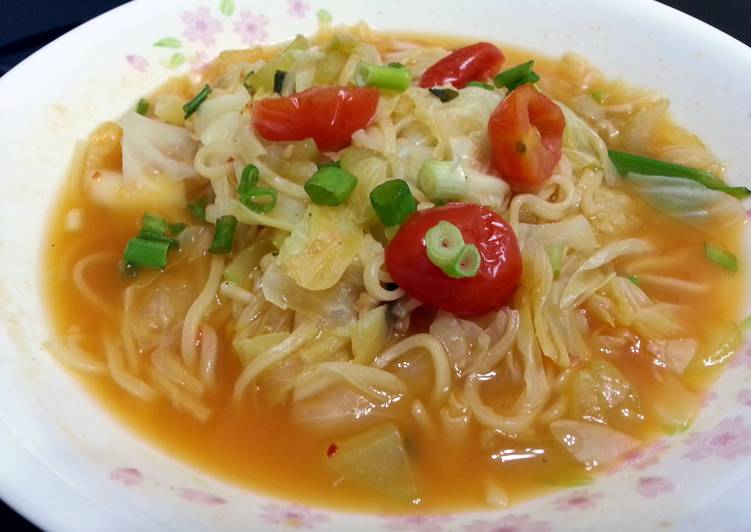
273 347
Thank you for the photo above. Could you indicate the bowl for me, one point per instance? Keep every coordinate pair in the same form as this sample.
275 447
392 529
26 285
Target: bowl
67 464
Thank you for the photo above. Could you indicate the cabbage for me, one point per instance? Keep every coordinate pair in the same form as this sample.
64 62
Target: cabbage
334 306
371 169
263 79
213 114
584 148
575 232
722 344
320 248
153 148
376 384
600 393
249 348
337 410
464 340
639 131
675 355
369 335
689 202
673 405
592 445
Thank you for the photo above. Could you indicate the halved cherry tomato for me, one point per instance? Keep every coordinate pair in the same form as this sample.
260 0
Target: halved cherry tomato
526 133
328 115
500 269
472 63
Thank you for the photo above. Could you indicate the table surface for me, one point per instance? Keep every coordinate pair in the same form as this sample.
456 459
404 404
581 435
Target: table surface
27 25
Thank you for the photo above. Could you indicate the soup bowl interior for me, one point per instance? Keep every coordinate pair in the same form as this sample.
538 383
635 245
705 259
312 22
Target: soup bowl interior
67 464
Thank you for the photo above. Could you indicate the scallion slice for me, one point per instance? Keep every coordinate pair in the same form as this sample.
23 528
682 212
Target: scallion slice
250 199
466 264
393 202
443 180
248 84
721 257
517 76
155 228
556 253
330 185
394 64
248 179
224 234
142 107
279 76
198 209
193 105
383 77
443 244
634 279
445 95
176 229
627 163
147 253
480 85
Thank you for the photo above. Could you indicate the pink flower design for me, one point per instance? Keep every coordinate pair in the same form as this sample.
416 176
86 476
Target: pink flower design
198 61
729 439
744 397
292 515
127 476
200 497
297 8
577 500
707 398
742 358
199 26
645 457
416 523
251 27
653 486
137 62
509 523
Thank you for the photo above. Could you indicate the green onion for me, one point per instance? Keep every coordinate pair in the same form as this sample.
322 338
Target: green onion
330 185
466 264
223 235
443 180
721 257
394 64
176 229
248 84
443 244
128 269
634 279
198 208
248 179
148 253
445 95
517 76
337 164
481 85
383 77
155 228
393 202
193 105
628 162
262 207
390 232
279 76
599 96
556 252
142 107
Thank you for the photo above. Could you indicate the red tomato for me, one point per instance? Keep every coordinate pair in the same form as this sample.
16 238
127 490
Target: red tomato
328 115
500 270
526 132
474 62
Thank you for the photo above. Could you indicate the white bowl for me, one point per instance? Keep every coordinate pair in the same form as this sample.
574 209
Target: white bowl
66 464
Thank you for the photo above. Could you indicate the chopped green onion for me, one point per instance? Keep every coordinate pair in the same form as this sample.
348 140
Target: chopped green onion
193 105
128 269
248 179
155 228
517 76
634 279
556 252
390 232
176 229
466 264
445 95
249 199
198 208
324 17
443 180
330 185
279 76
628 162
394 64
746 324
443 243
142 107
223 235
383 77
148 253
481 85
248 84
599 96
393 202
721 257
337 164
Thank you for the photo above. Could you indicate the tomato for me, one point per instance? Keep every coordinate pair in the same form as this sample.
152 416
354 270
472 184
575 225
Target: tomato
526 133
328 115
500 269
472 63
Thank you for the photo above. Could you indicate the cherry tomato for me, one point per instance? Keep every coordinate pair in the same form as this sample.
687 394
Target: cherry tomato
526 133
500 269
328 115
471 63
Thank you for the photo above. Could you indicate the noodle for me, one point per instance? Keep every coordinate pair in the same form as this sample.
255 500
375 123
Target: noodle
120 375
197 311
83 286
